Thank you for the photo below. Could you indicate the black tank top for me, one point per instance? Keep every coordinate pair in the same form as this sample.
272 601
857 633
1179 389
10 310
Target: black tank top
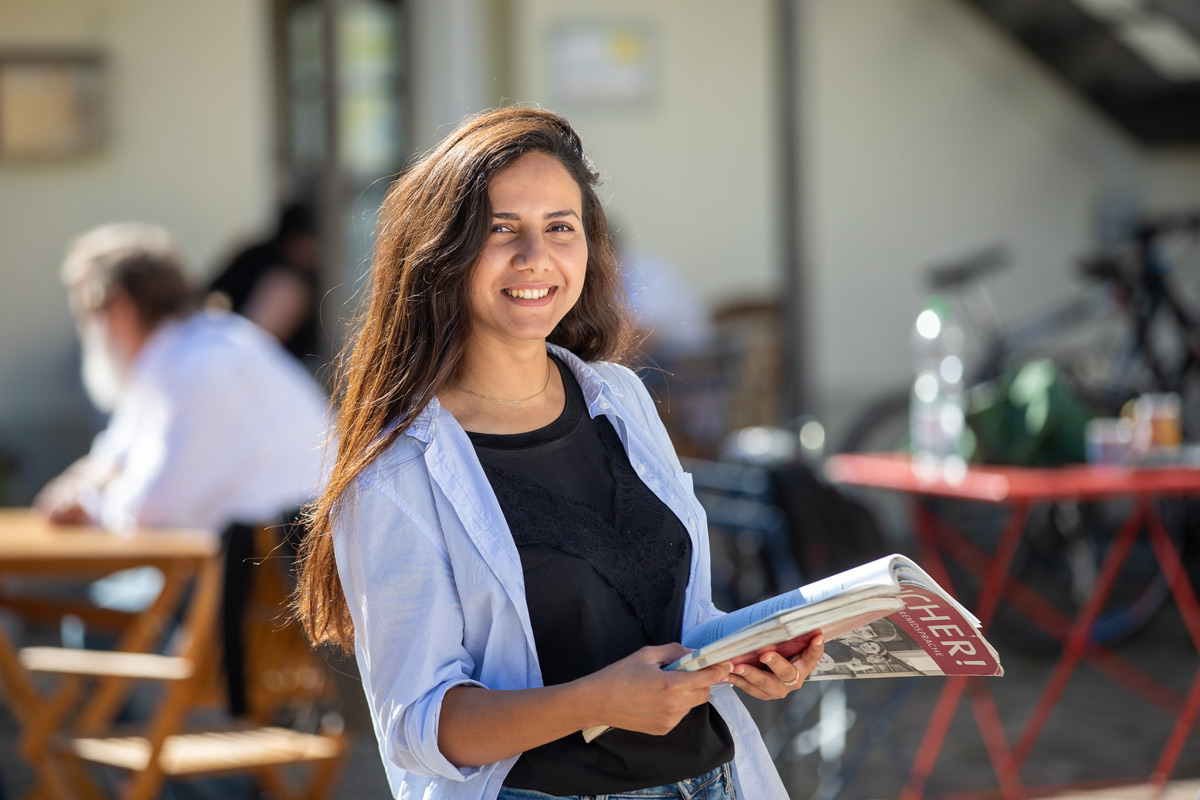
606 566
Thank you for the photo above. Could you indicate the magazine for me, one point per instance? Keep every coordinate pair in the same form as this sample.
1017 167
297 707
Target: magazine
886 618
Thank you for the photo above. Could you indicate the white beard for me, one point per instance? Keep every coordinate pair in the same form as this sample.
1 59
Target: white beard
105 375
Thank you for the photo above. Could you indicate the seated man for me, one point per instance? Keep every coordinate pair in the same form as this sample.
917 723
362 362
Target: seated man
212 421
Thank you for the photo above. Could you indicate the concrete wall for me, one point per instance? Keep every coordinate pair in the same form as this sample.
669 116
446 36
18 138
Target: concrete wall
687 172
190 149
927 134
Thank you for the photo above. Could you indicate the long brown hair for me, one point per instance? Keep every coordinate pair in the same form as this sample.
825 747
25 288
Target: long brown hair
412 327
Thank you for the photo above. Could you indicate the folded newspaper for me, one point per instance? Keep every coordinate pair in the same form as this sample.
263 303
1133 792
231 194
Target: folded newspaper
886 618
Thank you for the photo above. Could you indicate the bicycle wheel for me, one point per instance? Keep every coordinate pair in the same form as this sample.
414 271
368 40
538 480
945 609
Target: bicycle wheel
881 427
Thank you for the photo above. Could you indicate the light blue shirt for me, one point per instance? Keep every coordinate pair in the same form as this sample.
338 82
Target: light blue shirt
436 593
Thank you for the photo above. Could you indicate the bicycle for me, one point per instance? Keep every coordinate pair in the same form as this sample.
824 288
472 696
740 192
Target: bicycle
1131 332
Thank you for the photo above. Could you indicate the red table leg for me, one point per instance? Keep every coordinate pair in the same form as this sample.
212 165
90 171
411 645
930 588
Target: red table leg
1189 609
1081 630
935 733
1008 771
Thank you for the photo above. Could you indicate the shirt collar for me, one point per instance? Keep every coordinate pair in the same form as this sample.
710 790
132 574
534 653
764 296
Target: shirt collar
157 344
423 426
596 390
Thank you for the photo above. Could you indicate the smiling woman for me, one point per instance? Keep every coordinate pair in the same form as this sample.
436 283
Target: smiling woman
507 541
526 278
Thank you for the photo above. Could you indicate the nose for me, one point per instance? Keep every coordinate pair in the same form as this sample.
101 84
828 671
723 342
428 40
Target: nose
532 253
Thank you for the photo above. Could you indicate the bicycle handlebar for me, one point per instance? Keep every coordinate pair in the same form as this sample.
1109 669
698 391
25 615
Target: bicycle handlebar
1163 224
976 265
1109 264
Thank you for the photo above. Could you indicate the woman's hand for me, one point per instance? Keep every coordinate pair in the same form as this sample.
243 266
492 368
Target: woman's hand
636 694
781 675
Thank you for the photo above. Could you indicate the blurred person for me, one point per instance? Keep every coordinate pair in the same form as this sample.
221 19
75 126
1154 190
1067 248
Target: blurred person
274 283
507 541
670 315
211 421
682 365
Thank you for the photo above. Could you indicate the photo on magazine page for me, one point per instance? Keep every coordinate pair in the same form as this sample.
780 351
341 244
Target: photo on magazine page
927 637
878 648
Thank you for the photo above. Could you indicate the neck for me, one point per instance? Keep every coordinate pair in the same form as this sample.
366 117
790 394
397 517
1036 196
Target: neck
504 372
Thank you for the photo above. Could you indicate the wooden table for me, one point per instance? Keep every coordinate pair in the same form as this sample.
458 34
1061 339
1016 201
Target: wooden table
1017 489
31 548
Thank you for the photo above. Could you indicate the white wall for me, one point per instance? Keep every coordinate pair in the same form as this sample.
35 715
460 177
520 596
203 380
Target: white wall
688 175
190 149
927 133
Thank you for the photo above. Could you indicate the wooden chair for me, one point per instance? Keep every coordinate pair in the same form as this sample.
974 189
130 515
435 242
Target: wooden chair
283 683
734 382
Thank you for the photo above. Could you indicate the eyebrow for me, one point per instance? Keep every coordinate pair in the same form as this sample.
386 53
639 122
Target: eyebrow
566 212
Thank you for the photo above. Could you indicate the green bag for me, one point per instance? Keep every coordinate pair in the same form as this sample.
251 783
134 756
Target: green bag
1030 417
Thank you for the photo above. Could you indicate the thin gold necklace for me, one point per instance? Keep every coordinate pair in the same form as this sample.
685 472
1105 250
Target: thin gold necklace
504 400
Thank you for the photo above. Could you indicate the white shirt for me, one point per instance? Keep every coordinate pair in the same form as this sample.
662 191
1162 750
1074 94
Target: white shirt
436 592
218 424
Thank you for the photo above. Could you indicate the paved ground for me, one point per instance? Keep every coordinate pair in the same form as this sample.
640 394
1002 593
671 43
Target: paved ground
1100 733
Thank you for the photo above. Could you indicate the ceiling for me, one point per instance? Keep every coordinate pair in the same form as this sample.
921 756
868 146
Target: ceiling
1138 61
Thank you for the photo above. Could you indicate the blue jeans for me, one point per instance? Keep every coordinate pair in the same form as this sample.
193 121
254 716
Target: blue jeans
715 785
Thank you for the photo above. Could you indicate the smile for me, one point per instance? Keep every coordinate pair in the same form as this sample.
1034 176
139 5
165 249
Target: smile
527 294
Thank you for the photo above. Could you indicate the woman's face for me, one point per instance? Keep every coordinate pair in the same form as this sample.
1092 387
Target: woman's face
532 266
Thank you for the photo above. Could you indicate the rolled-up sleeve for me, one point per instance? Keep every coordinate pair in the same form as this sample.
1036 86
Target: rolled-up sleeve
408 621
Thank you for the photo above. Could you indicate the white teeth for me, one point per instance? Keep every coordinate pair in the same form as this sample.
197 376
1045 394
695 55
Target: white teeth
527 294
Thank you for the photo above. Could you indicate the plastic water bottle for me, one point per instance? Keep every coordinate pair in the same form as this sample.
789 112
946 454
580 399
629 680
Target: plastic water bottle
936 414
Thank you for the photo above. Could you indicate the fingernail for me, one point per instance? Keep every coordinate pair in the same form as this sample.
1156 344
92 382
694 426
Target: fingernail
819 641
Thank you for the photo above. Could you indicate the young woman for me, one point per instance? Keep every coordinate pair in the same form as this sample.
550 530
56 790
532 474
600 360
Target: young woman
508 541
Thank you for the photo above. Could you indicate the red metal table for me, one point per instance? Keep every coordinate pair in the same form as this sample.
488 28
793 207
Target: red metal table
1019 489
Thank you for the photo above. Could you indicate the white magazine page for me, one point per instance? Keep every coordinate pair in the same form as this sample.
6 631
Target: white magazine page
863 580
824 620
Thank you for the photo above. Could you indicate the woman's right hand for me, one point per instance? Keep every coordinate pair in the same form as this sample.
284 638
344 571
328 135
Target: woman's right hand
480 726
637 694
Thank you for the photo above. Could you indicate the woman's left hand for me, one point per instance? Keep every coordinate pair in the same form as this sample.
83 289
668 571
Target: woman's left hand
780 675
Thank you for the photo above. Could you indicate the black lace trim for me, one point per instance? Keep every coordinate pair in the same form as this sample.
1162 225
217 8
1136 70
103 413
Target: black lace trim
640 556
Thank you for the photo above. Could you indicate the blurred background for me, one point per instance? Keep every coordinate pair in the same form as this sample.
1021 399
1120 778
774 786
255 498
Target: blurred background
796 166
798 163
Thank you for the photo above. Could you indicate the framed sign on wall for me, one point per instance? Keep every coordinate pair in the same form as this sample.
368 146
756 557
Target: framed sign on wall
52 104
605 64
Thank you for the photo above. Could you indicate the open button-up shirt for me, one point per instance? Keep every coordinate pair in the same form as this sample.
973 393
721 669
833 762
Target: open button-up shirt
435 588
